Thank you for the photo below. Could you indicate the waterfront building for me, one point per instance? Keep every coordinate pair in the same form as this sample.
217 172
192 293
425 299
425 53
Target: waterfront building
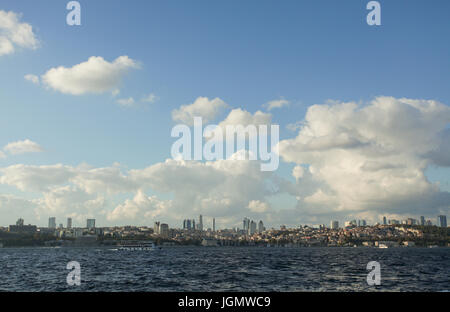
164 230
69 223
21 228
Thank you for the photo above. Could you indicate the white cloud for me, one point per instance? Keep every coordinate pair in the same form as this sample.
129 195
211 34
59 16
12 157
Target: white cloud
22 147
69 201
96 75
371 157
2 155
141 209
129 102
258 206
202 107
14 33
36 178
241 117
150 98
276 104
32 78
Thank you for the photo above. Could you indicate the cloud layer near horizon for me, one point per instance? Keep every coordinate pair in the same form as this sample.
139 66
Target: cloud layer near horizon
350 161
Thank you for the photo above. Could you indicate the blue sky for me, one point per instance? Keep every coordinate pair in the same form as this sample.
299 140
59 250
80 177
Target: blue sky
246 53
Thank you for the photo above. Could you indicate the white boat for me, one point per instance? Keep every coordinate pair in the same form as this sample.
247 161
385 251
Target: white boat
137 246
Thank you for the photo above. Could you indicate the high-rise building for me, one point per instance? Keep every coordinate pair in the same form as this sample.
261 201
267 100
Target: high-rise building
69 223
442 221
384 221
214 224
363 222
19 222
52 223
246 224
422 220
90 223
261 227
252 229
334 225
188 224
156 228
164 230
200 223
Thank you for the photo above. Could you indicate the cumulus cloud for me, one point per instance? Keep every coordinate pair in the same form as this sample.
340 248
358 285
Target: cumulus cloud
239 116
258 206
150 98
371 157
128 102
221 188
142 208
96 75
276 104
202 107
351 161
22 147
32 78
14 33
36 178
69 201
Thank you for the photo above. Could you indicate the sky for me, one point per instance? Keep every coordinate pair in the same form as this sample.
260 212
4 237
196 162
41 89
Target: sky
86 112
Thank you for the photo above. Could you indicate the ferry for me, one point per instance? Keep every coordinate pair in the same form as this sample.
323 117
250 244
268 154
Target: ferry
138 246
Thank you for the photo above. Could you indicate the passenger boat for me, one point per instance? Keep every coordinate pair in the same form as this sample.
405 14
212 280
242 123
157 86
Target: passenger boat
137 246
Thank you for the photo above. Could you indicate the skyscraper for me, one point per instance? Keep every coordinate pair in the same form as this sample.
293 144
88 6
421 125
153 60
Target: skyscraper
246 224
200 223
164 230
384 221
252 229
69 223
334 225
442 221
156 228
422 220
52 223
261 227
90 223
214 224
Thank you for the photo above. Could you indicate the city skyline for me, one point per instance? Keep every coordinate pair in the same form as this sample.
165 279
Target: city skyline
252 227
364 126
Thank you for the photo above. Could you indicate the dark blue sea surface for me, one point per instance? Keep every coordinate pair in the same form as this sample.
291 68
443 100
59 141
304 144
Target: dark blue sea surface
225 269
